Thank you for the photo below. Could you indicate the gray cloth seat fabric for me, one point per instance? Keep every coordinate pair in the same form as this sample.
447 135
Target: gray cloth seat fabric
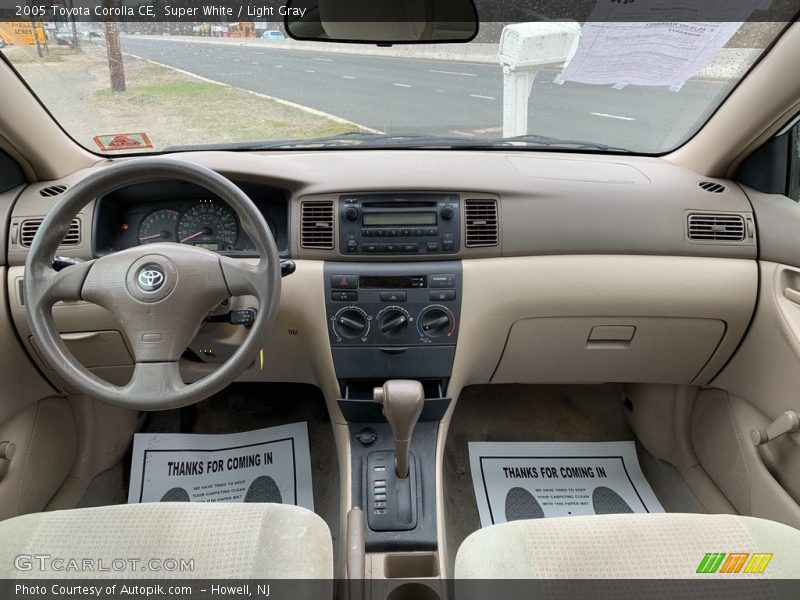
223 540
626 546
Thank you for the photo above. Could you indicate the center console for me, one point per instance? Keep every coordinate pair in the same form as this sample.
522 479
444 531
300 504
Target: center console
394 321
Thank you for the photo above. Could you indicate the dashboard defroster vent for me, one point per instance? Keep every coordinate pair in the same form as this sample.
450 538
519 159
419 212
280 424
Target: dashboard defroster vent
712 187
29 227
316 224
481 223
53 190
716 228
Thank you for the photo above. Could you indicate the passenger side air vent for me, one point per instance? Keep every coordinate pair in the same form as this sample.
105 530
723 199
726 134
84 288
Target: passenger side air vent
481 223
716 228
712 187
52 190
29 228
316 224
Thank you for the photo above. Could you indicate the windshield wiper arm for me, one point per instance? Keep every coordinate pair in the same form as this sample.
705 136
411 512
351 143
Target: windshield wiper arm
532 139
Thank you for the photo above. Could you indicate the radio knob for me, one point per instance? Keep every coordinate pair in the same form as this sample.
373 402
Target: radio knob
351 213
448 213
351 323
393 321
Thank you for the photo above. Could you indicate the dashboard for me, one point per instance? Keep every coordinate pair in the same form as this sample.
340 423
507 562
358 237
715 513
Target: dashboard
171 211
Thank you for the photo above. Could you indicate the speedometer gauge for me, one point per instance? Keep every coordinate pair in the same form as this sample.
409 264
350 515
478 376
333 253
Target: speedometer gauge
159 226
209 224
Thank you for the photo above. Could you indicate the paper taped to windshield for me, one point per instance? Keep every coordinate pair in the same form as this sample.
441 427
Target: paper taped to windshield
266 465
527 480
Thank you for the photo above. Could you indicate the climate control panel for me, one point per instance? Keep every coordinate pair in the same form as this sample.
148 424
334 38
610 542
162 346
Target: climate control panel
395 305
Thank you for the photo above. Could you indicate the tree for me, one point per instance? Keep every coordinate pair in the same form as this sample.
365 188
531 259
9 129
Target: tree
115 65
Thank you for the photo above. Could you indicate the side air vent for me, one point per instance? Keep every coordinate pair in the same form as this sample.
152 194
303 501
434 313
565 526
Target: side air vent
712 187
716 228
481 223
29 228
52 190
316 224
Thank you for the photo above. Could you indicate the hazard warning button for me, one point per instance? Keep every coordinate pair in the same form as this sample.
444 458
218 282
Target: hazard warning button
344 282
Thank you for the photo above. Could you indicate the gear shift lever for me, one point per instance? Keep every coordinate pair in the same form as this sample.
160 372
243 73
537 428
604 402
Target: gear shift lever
402 401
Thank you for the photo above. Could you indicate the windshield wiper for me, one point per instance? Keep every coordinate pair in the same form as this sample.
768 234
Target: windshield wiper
549 142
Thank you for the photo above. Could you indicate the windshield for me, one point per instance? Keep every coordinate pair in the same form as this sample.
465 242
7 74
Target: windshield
640 87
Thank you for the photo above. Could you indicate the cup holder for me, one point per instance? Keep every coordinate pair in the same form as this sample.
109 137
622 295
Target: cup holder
413 591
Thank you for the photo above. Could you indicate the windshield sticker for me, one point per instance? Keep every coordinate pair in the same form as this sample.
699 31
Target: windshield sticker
123 141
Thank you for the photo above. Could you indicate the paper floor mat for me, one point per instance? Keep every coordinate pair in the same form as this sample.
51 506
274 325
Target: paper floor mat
267 465
535 480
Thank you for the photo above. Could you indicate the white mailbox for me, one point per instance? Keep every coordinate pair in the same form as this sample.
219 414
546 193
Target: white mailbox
525 45
525 48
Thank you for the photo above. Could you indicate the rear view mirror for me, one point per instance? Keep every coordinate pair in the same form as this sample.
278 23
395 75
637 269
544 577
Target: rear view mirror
382 22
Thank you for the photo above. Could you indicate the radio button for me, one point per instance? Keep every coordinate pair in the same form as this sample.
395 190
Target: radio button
445 280
370 248
410 248
393 232
352 246
442 295
389 247
406 233
432 246
448 246
432 231
344 296
393 296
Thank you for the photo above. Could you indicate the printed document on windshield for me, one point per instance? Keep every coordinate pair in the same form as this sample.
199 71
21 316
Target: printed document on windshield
654 42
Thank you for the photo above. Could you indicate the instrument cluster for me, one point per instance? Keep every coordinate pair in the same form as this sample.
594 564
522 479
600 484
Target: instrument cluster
178 213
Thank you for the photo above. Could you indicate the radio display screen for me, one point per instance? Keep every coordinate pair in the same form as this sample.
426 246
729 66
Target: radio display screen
398 219
398 282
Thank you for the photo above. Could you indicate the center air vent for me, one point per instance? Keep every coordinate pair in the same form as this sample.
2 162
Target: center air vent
29 228
52 190
712 186
481 223
316 224
716 228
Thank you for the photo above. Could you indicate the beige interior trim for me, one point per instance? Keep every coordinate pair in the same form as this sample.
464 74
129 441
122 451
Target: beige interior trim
768 96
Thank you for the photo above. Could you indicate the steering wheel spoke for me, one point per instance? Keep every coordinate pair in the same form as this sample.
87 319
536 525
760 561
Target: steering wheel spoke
242 278
152 382
66 285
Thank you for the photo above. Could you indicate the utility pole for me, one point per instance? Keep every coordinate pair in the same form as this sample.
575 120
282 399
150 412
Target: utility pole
74 26
115 66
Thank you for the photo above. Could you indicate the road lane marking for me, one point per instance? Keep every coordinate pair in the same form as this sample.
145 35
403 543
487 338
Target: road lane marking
309 71
278 66
323 59
453 73
347 77
607 116
482 97
405 85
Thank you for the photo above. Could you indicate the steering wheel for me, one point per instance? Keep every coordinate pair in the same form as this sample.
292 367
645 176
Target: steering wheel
160 293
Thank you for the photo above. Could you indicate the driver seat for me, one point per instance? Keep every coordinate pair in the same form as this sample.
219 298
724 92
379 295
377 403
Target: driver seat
223 540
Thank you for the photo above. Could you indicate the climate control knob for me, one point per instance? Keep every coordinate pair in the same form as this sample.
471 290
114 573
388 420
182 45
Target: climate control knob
435 321
393 320
351 322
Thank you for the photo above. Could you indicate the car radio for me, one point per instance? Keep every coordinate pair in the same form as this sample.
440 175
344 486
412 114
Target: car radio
399 223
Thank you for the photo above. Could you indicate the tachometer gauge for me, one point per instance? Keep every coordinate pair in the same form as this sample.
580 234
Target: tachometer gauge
210 225
159 226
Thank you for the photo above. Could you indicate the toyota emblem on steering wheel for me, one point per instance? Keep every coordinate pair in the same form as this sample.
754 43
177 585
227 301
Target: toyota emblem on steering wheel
150 278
